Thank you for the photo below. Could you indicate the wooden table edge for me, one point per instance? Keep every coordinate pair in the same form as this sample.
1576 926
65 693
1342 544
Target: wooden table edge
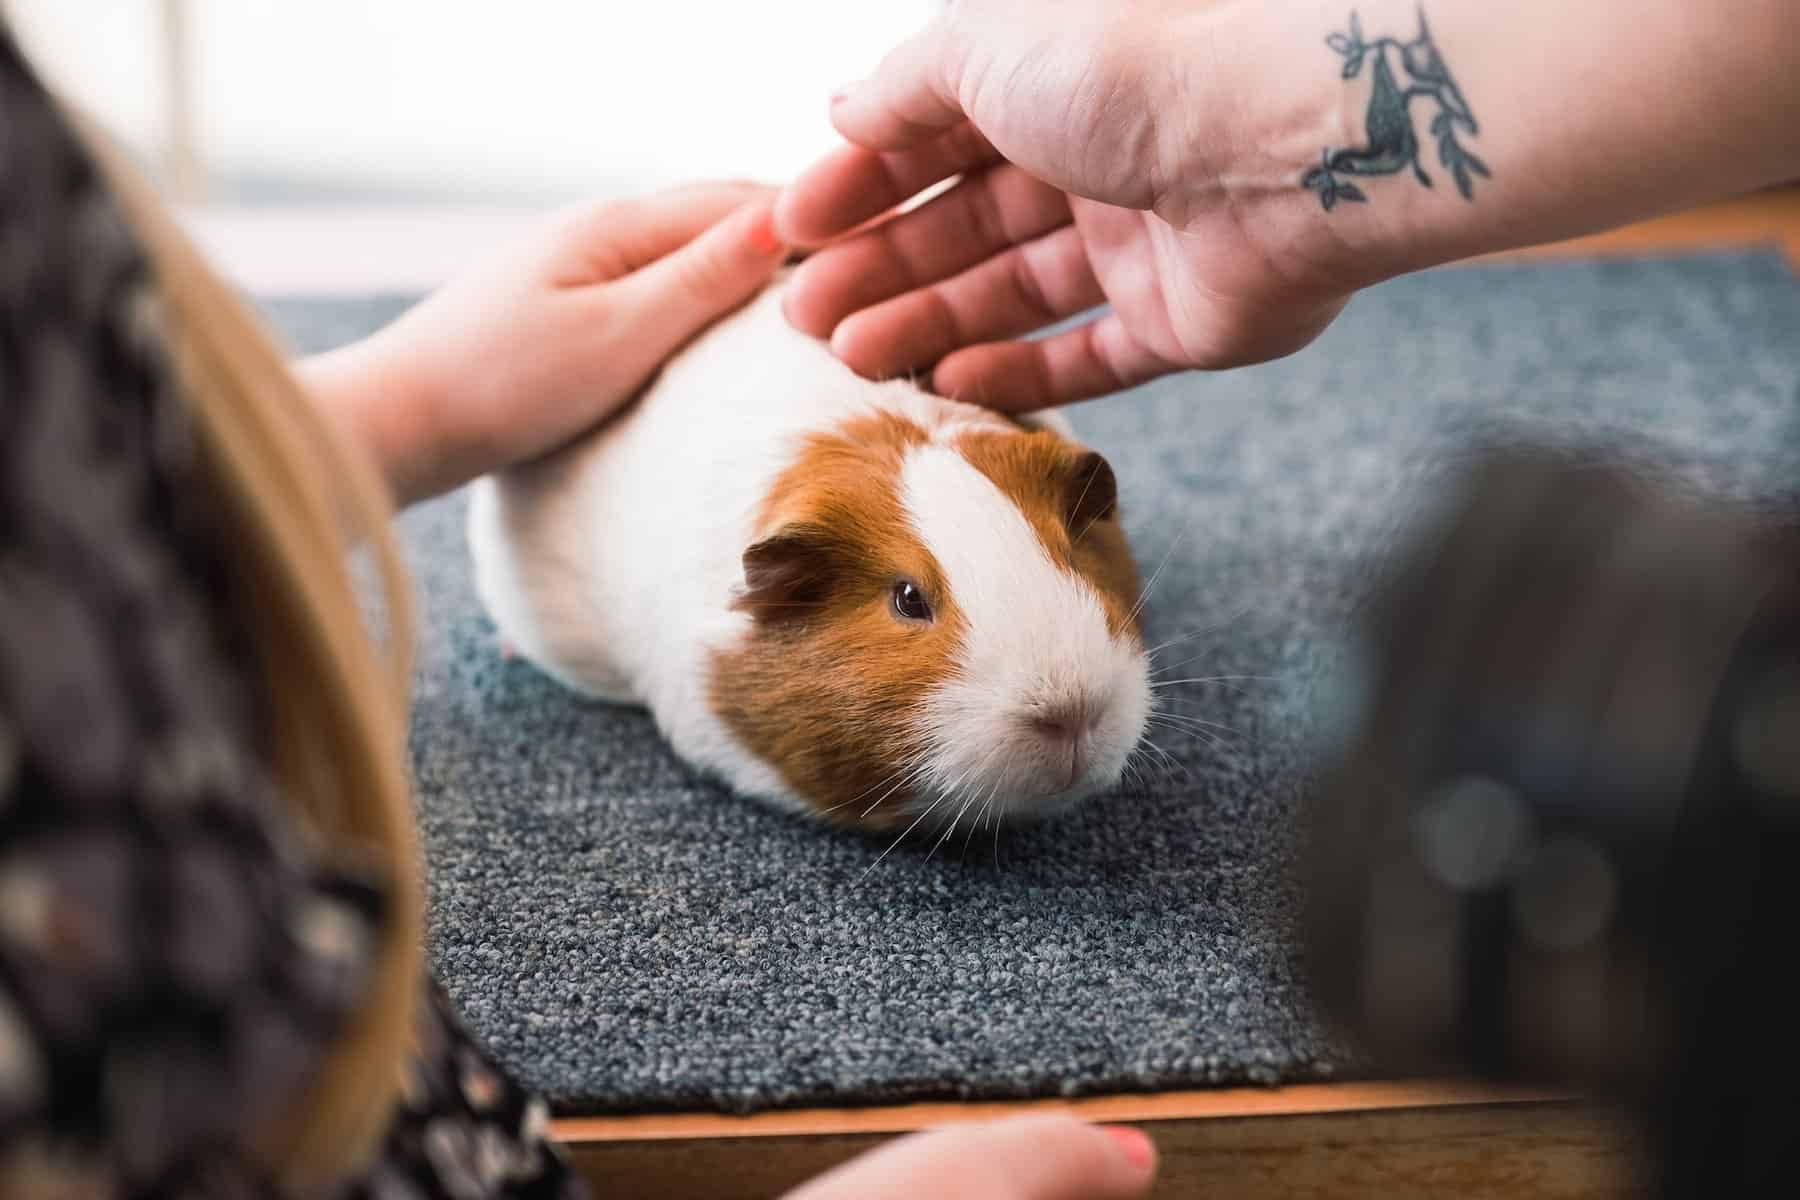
1312 1099
1767 219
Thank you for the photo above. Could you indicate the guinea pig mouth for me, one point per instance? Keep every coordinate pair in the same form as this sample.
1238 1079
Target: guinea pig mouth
1062 782
1075 771
1053 802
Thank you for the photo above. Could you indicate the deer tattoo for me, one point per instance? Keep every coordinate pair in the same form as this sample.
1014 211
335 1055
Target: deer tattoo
1393 142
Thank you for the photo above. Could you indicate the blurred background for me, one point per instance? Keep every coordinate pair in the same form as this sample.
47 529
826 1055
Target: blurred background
416 124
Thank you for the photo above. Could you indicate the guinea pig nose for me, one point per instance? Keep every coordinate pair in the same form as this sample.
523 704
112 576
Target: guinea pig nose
1064 722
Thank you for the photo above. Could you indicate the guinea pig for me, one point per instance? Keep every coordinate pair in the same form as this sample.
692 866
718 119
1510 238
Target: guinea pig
850 598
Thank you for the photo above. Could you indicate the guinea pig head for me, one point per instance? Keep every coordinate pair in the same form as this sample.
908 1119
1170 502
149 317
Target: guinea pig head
942 626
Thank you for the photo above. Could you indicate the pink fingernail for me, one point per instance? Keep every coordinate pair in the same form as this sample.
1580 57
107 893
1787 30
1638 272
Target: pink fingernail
1138 1147
762 232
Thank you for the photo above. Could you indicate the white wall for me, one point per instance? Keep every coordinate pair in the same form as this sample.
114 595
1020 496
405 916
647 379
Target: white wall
478 99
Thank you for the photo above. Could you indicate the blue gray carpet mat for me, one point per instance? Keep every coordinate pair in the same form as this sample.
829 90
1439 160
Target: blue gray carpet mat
629 937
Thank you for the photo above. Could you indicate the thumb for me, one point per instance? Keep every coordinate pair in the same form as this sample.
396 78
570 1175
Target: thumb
1052 1157
910 98
687 289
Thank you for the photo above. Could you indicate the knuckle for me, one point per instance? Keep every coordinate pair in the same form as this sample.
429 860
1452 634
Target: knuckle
982 207
1028 288
708 277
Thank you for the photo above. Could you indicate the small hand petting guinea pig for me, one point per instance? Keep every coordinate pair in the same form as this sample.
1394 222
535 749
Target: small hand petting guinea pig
853 599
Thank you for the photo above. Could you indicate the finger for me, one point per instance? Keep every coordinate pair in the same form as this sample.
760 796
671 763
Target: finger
605 241
910 98
1017 292
973 221
1026 1158
1093 359
853 184
679 294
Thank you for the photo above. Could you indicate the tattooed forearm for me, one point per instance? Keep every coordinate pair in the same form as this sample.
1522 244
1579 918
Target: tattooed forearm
1402 72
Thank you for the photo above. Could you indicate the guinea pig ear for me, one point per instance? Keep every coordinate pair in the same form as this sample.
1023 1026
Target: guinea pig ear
1091 491
787 572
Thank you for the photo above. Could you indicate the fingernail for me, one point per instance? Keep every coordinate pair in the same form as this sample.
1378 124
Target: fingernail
762 232
1138 1147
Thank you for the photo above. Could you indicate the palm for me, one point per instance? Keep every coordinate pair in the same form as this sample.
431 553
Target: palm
1142 272
1187 298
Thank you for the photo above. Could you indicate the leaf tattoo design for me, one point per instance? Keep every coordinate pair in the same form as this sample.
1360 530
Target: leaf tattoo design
1400 72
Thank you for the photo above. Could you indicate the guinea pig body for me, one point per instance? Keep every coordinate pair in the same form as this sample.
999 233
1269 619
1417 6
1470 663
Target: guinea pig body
850 598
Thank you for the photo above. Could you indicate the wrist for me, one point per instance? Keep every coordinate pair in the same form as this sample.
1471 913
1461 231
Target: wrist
1253 99
377 403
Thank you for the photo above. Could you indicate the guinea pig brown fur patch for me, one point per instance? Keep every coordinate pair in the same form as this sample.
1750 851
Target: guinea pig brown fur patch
828 672
1070 497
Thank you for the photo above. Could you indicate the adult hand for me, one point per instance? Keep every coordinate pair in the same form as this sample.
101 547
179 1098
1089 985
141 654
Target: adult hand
514 360
1070 123
1225 173
1026 1158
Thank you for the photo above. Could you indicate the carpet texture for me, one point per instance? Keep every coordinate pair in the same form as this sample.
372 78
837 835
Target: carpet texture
628 937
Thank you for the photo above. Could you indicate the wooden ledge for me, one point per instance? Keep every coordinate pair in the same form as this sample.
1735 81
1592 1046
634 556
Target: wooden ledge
1769 218
1388 1140
1301 1099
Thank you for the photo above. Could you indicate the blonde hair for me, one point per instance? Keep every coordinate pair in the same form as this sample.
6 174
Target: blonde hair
294 503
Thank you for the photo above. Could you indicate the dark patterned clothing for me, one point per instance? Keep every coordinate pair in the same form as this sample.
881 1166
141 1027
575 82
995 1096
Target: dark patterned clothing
173 960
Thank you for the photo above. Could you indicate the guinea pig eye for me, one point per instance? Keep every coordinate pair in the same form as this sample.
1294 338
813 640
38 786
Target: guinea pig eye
910 603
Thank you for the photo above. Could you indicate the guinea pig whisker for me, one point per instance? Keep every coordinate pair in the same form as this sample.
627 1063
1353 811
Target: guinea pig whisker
1161 722
1167 763
910 763
906 778
1175 718
1173 762
1202 722
1223 680
981 817
1200 632
1132 778
903 835
947 790
973 768
1176 666
1157 574
1177 772
1212 740
974 794
1076 507
1211 731
951 828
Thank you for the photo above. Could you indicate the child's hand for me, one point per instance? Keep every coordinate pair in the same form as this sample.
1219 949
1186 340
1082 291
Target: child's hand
1027 1158
514 360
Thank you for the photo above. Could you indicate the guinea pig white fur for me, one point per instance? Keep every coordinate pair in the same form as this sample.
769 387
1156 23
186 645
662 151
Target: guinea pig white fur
850 598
